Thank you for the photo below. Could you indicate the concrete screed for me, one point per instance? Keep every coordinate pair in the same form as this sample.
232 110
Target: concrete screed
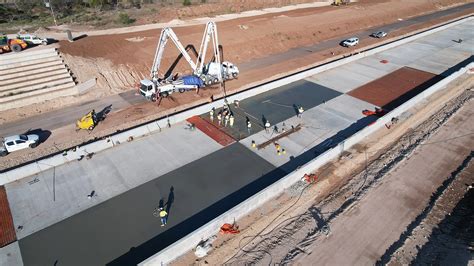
109 175
360 235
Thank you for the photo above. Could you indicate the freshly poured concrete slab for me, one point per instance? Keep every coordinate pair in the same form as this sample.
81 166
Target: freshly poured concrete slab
124 231
55 194
275 106
322 127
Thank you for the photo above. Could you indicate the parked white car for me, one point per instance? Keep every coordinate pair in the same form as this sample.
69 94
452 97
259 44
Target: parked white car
32 39
18 142
350 42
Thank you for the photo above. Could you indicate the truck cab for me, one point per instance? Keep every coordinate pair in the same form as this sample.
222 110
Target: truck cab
147 88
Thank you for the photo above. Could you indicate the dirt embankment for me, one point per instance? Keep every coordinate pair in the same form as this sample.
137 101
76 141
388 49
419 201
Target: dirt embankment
120 60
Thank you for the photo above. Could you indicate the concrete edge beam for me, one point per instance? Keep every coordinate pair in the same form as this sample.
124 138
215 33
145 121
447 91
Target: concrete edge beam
30 83
24 95
50 66
70 91
25 55
36 59
34 64
43 74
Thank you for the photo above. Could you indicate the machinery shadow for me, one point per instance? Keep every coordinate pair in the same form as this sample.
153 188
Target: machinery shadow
43 134
420 88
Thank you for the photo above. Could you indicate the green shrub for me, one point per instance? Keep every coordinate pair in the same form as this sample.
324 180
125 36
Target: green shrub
186 2
125 19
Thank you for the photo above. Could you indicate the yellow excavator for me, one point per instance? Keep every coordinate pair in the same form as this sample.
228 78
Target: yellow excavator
340 2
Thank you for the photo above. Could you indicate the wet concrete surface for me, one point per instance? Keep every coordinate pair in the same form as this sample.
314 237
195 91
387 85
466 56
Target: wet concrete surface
275 106
123 230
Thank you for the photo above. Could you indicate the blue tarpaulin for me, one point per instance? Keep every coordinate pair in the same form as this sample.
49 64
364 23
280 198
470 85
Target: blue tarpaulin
192 80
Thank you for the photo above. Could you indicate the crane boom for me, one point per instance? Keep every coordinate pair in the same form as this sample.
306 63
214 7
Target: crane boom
209 33
168 33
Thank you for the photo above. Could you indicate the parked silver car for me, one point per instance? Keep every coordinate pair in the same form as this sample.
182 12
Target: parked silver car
379 34
350 42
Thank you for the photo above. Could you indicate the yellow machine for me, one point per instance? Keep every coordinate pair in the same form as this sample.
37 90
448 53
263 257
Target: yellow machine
340 2
88 122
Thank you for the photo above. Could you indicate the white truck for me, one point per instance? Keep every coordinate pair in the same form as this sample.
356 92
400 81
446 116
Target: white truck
32 39
204 74
18 142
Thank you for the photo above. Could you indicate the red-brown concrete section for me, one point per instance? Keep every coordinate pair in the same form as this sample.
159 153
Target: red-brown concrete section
395 88
211 130
7 230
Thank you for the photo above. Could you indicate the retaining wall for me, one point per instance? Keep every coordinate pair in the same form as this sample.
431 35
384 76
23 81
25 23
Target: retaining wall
32 77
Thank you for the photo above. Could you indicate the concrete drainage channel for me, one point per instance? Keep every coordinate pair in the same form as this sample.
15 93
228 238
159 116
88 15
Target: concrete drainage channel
157 125
190 241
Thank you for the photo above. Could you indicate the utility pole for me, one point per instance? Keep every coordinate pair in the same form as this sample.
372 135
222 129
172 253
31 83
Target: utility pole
48 4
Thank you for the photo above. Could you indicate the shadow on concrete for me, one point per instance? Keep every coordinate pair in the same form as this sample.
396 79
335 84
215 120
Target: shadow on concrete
43 134
168 237
329 143
411 93
417 90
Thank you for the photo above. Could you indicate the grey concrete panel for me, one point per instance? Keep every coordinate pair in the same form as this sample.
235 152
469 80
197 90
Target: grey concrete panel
320 124
62 191
278 105
123 230
11 255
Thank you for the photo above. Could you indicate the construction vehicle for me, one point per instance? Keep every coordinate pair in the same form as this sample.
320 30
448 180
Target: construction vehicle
214 71
32 39
202 73
15 45
340 2
87 122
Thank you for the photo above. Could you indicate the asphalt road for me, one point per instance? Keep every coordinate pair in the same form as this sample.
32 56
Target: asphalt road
68 115
324 45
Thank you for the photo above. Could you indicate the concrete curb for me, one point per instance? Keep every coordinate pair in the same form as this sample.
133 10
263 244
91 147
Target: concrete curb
211 228
155 126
